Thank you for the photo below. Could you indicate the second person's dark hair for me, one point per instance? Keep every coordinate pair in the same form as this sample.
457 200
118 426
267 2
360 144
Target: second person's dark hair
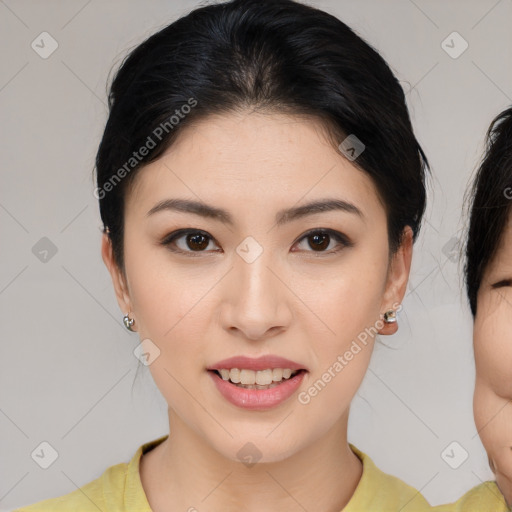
490 206
267 55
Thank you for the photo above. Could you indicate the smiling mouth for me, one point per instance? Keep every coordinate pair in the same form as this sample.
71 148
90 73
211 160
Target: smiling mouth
261 379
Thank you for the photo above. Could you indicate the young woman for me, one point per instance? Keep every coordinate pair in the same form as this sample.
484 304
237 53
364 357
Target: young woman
261 187
488 275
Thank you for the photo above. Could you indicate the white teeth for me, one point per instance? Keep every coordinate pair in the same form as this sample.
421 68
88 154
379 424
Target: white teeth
234 375
277 374
264 377
247 377
258 378
224 374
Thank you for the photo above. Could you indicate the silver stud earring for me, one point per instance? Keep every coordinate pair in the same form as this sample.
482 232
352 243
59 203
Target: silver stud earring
390 316
128 322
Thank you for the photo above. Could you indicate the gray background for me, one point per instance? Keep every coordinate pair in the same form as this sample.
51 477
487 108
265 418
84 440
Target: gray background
67 366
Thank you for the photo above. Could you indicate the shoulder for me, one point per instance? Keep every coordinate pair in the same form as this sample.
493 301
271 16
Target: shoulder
118 488
381 491
485 497
90 497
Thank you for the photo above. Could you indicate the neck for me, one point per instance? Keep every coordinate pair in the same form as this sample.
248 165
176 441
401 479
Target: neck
186 471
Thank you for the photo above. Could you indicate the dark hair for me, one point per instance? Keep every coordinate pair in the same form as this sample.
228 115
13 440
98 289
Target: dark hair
269 55
490 206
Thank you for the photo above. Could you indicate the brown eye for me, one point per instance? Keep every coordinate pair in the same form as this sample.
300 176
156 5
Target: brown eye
187 241
320 240
197 241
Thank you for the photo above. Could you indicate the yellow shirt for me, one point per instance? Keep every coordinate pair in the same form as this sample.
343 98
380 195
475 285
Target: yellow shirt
119 488
485 497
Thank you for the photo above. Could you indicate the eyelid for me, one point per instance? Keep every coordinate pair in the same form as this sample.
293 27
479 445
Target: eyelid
502 283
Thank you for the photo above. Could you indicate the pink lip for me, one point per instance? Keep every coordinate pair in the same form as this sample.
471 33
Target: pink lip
256 399
259 363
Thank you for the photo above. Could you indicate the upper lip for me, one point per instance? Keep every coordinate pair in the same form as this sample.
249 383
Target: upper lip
257 363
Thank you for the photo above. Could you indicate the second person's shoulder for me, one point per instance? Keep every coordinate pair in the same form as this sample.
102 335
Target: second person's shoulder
485 497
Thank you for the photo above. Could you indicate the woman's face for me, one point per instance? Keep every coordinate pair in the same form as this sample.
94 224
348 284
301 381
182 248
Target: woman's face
256 281
492 338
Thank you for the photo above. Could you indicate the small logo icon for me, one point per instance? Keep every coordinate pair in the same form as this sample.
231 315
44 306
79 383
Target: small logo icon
351 147
44 455
146 352
454 45
454 455
249 454
44 45
249 249
44 250
451 249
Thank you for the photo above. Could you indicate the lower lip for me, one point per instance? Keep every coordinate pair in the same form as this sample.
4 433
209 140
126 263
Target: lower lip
257 399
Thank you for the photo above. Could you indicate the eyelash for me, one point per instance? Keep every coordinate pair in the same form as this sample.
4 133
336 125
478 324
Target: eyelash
339 237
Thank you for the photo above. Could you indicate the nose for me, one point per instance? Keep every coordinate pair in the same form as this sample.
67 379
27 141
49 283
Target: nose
257 303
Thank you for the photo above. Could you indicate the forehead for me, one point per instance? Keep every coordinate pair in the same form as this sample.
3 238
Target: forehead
255 162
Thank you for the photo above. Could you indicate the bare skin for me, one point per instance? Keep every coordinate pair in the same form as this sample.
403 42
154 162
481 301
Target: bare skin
493 355
294 300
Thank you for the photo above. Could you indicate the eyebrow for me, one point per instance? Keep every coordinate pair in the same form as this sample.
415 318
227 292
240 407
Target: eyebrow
282 216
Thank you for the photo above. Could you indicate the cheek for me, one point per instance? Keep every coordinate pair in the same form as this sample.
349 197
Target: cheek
348 303
492 339
349 297
166 295
493 387
493 419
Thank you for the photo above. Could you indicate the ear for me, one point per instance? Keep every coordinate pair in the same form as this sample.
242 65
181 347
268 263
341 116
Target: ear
398 277
118 278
